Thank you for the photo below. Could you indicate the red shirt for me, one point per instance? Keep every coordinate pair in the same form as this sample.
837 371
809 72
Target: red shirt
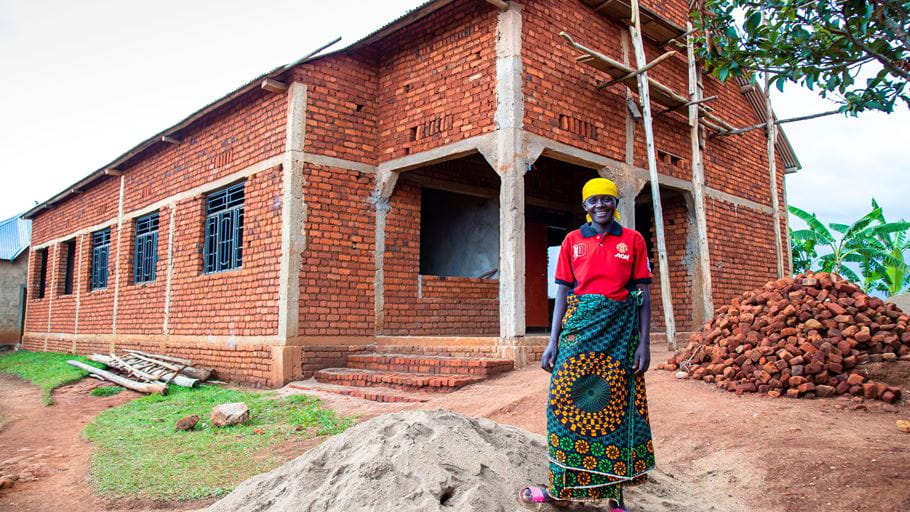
603 264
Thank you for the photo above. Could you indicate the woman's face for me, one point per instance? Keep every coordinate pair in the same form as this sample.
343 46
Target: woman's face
600 208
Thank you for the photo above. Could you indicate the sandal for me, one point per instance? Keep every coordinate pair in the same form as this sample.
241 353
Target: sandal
535 495
615 506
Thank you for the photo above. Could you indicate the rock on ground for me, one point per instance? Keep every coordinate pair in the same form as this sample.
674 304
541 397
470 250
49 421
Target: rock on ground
224 415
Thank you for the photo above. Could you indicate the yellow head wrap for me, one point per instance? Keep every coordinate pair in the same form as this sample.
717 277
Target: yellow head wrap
600 187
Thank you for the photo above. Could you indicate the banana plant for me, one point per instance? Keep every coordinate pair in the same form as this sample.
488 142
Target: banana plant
875 245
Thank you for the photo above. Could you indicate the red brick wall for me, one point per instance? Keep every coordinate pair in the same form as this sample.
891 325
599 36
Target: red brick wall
341 119
742 249
141 306
437 80
456 306
680 261
337 270
248 130
240 302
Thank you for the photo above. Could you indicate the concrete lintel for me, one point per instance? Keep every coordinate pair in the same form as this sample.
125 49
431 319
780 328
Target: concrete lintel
339 163
432 156
293 214
570 154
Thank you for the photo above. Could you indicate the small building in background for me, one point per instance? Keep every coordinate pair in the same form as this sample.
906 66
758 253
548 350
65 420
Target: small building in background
15 237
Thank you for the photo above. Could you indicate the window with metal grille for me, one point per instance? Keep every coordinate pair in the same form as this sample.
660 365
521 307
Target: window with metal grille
145 260
101 249
69 271
41 283
224 229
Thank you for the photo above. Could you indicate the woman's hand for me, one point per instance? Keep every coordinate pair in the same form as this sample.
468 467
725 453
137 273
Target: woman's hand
549 356
642 359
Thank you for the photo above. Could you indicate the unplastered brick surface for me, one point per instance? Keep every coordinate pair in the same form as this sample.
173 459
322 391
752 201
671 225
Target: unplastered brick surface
337 271
240 302
406 312
96 306
250 129
437 80
741 243
141 306
680 261
341 116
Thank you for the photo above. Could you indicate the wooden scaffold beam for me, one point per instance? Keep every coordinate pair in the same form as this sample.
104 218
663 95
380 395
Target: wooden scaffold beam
645 96
772 169
698 175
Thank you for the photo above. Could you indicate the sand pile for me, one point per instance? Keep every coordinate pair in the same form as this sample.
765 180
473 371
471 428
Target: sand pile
418 460
434 461
802 337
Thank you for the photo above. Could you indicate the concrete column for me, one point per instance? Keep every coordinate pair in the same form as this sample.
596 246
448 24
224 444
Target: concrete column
629 186
117 259
293 214
171 226
385 187
510 163
286 359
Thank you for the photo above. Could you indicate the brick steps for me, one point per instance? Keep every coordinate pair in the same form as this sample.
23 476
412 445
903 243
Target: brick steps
430 365
357 377
376 394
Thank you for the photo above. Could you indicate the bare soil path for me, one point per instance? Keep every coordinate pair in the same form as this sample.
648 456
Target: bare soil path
43 446
716 451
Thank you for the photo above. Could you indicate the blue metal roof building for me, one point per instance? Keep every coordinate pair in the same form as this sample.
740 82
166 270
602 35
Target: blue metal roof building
15 237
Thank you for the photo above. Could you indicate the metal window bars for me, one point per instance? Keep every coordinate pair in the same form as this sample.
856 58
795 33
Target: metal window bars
145 260
101 248
223 249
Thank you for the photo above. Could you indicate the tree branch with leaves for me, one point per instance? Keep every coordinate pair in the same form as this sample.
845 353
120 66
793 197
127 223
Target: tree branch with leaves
824 45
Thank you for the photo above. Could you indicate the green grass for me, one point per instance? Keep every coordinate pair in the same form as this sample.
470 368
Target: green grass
47 370
107 391
139 454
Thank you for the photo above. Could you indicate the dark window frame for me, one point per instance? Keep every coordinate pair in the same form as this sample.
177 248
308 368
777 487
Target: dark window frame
41 283
69 270
223 229
101 257
145 249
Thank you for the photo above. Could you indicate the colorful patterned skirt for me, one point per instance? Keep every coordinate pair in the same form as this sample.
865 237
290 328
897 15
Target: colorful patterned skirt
597 417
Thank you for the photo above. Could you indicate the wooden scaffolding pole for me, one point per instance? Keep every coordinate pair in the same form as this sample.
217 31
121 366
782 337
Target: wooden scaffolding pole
644 94
698 175
772 169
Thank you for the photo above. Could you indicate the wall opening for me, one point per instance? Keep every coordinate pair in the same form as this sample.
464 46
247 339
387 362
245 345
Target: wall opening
459 235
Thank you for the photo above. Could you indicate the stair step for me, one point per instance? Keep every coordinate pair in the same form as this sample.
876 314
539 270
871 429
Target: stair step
430 365
397 380
376 394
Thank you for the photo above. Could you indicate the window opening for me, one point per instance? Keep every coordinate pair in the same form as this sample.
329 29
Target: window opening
145 260
224 229
70 266
42 272
101 249
459 234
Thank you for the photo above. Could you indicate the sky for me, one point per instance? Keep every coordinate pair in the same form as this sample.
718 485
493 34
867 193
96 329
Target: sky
83 82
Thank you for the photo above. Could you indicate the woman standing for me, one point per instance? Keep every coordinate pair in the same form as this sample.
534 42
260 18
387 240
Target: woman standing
598 433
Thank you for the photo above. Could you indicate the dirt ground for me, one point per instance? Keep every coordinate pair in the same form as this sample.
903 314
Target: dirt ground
716 450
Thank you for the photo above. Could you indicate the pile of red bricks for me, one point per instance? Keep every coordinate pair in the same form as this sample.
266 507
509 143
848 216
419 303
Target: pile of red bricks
802 337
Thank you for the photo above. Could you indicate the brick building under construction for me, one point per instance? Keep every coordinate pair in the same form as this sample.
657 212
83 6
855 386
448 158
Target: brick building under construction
402 195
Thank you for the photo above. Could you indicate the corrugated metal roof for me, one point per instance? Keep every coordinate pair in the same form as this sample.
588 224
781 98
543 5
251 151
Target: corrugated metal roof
15 237
411 16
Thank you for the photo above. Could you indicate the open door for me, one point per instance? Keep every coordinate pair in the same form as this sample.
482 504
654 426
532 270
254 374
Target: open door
536 301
